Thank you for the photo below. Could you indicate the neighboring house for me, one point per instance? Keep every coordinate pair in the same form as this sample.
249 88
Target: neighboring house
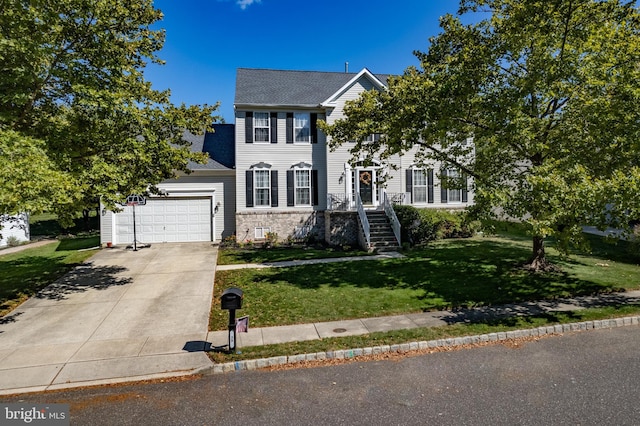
288 181
14 228
196 207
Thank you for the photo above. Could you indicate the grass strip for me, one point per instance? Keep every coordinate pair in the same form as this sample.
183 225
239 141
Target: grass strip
426 334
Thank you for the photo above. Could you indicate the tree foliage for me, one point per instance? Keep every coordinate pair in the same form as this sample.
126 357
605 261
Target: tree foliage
549 91
78 121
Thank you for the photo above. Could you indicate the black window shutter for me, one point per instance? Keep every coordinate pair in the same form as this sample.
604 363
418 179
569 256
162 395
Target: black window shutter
289 127
274 127
249 186
443 190
410 185
314 187
248 127
274 188
290 189
314 128
464 189
430 186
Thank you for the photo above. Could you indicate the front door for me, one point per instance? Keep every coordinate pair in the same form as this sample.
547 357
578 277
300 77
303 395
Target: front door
365 178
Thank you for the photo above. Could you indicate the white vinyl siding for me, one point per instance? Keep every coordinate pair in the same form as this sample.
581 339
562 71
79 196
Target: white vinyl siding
280 156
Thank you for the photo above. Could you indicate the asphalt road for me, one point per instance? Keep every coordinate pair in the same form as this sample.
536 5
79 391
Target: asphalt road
587 378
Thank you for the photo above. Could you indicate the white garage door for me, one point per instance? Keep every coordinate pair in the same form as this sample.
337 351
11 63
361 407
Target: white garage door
166 220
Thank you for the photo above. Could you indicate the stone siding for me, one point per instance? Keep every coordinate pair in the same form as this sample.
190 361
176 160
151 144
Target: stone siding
341 228
288 224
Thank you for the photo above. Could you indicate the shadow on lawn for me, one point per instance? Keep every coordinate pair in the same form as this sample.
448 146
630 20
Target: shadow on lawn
550 310
28 275
459 274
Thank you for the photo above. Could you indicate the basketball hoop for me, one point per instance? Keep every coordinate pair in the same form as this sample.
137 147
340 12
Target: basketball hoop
136 200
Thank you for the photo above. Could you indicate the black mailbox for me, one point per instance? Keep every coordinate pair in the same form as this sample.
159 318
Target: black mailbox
231 298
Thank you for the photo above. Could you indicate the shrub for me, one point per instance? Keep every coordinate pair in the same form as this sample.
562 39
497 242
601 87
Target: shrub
419 226
230 241
270 239
13 241
414 228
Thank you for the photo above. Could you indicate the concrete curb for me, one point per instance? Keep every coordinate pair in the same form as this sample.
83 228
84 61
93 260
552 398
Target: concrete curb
255 364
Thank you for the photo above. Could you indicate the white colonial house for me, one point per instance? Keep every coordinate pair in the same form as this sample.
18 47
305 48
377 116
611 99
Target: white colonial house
273 173
289 182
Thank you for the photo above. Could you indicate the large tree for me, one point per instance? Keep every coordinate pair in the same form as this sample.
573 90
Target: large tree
550 92
78 121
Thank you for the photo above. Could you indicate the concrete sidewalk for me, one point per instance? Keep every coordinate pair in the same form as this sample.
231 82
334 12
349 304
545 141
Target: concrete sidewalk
122 316
322 330
289 263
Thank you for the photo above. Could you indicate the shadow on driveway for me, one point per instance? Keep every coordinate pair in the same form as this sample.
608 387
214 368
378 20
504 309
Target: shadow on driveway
83 278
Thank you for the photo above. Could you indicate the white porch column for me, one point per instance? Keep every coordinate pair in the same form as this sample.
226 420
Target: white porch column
347 185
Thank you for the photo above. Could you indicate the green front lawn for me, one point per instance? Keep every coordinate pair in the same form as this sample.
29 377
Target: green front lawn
235 256
23 273
447 274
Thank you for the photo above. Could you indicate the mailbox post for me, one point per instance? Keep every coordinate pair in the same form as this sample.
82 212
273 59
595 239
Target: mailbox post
231 300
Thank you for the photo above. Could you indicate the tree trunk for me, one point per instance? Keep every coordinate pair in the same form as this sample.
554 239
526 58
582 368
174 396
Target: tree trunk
538 261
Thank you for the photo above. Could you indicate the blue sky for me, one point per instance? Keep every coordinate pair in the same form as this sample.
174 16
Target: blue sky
207 40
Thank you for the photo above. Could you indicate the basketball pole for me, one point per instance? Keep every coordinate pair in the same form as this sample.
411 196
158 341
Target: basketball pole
135 240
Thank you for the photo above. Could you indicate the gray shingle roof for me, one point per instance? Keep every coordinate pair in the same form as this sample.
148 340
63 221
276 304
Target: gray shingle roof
220 145
280 87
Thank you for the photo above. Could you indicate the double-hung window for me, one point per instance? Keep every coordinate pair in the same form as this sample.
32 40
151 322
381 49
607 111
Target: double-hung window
453 195
302 127
302 187
261 128
262 187
419 186
374 137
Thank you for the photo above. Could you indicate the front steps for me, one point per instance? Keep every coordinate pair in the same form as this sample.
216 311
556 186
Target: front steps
381 233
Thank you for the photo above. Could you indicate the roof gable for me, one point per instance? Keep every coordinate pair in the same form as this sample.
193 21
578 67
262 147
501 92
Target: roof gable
365 73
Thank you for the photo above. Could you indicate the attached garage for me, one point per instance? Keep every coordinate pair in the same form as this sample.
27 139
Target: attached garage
163 220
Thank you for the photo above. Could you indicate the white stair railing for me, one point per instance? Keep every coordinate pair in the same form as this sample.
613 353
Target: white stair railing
363 220
391 214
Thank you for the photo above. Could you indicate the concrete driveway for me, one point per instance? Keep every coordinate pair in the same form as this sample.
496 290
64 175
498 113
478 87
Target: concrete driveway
122 316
